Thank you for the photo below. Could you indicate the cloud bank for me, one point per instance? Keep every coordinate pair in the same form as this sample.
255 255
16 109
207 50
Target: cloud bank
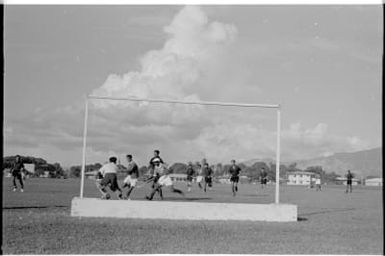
190 57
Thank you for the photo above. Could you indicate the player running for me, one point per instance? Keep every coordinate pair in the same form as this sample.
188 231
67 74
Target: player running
109 172
207 174
234 171
190 173
199 171
349 178
263 177
164 180
132 177
151 168
16 171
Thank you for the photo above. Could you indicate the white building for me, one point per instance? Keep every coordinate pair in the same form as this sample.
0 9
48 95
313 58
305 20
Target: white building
373 182
179 177
300 178
344 180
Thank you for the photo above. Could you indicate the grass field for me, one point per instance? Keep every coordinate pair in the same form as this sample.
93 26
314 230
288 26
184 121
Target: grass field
330 222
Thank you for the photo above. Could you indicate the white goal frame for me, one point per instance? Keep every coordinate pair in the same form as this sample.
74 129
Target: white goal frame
210 103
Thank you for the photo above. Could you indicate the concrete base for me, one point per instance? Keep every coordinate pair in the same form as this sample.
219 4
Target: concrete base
94 207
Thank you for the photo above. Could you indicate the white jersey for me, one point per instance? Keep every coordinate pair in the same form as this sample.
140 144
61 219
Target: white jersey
108 168
159 170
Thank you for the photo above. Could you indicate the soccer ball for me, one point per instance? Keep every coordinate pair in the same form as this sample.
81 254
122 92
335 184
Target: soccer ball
107 196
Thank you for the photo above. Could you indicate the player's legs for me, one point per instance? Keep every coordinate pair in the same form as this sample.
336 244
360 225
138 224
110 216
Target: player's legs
157 188
103 191
20 178
14 183
233 187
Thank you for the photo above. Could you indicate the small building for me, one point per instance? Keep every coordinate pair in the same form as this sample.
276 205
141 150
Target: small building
179 177
45 175
300 178
343 180
374 182
7 173
91 175
224 179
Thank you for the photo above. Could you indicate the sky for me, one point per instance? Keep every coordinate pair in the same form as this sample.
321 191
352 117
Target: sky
322 64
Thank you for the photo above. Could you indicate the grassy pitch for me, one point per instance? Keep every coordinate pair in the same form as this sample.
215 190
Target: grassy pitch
330 222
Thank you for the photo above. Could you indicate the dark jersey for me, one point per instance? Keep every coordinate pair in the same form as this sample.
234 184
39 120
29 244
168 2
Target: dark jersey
190 171
349 176
133 170
17 167
152 164
207 171
235 170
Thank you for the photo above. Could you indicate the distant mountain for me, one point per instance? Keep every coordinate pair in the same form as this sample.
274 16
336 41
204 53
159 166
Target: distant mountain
362 163
255 160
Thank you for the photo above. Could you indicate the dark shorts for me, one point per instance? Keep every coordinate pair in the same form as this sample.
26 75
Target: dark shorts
234 179
17 175
264 181
349 182
110 179
209 181
189 178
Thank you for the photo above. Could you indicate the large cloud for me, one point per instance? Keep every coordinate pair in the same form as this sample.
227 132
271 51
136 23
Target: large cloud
189 62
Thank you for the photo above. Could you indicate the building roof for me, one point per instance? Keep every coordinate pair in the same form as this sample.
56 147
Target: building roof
178 175
301 173
374 180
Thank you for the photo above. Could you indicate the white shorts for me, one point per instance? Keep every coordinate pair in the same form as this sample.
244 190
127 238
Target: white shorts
199 178
165 180
131 181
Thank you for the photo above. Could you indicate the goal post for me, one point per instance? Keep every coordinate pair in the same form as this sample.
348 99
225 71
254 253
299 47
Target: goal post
169 101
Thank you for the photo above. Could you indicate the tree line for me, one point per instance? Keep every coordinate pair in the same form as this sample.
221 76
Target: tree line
252 172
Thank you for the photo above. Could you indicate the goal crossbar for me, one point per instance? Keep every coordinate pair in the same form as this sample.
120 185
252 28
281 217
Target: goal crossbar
210 103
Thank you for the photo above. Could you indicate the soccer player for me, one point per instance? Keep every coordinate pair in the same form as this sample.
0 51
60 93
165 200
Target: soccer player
200 174
132 177
349 178
155 158
164 180
109 172
16 171
263 177
234 171
190 173
207 174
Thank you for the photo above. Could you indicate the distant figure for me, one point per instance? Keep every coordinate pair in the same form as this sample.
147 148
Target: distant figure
164 180
190 173
16 172
207 174
109 172
263 177
234 179
349 178
318 184
199 172
132 177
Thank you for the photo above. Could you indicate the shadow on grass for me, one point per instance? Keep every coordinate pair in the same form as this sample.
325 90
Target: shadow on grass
256 195
34 207
185 199
301 219
327 211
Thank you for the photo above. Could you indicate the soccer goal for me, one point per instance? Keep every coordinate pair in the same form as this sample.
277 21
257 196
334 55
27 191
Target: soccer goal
277 107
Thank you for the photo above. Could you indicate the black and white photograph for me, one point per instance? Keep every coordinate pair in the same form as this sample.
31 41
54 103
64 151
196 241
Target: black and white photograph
192 128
